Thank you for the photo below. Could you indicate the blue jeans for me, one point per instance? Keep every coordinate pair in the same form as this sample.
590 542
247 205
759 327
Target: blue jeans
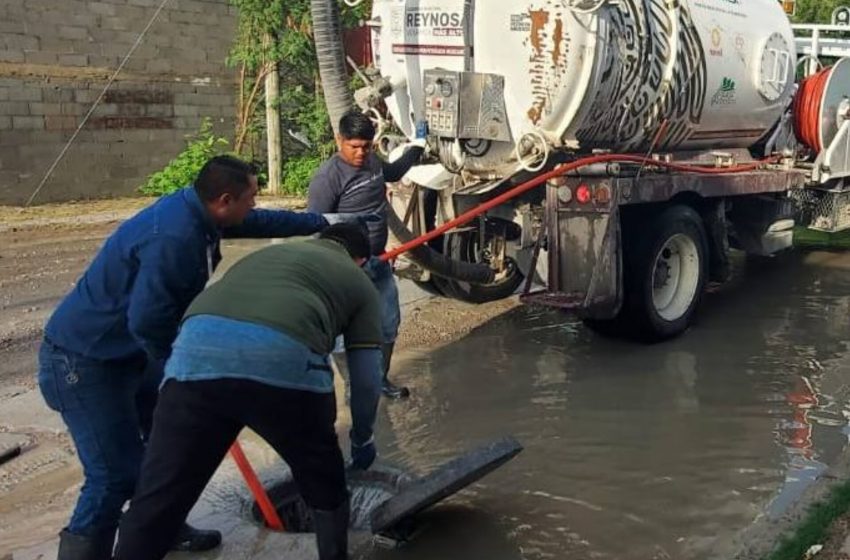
381 274
108 408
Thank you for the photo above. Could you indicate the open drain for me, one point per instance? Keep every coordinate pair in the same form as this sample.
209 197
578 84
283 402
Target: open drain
384 501
368 490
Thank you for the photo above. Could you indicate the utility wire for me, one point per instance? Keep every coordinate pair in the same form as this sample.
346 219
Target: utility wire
97 101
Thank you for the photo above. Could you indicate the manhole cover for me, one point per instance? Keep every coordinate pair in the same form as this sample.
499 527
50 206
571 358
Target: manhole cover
384 500
446 480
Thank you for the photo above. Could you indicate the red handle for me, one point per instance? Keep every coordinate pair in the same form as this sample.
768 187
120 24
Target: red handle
263 501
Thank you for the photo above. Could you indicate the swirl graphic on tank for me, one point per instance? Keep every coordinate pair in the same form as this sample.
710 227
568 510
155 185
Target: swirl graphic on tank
653 81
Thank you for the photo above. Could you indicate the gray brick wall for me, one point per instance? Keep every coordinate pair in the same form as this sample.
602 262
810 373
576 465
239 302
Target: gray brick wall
55 59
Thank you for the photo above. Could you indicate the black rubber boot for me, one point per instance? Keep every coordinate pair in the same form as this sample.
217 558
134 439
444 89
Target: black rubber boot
79 547
388 388
190 539
332 532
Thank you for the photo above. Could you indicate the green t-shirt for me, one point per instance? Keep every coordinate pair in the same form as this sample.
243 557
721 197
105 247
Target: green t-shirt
310 290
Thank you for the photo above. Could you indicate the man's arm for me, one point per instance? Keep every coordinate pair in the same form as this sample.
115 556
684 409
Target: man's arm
277 223
165 284
365 363
396 170
364 366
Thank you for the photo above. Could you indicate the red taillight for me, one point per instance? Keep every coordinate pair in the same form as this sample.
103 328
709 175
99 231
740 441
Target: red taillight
583 194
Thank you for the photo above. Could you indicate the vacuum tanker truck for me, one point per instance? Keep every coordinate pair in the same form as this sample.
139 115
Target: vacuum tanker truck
629 143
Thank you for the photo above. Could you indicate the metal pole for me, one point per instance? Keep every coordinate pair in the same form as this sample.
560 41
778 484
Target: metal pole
813 62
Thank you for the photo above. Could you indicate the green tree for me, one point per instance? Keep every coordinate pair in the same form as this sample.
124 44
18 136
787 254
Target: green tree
279 33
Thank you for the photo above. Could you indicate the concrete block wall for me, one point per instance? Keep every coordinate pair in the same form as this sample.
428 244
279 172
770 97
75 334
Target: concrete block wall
56 57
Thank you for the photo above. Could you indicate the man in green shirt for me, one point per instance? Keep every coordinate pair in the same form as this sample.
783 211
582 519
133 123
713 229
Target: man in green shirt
253 351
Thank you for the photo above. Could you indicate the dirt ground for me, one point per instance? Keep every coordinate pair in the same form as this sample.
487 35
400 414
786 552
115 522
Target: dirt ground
43 250
836 546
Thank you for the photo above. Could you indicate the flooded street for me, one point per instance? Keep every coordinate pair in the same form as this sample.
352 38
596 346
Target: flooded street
631 451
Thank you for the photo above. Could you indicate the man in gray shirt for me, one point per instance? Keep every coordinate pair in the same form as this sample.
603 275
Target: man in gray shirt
354 181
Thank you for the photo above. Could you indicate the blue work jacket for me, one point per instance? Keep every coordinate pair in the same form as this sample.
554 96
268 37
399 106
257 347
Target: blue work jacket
133 295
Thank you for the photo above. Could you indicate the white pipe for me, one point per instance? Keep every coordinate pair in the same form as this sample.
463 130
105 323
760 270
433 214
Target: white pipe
813 64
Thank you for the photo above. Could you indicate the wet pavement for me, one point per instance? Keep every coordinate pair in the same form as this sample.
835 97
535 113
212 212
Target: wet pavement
635 452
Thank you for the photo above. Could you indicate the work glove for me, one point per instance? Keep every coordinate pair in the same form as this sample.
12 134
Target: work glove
421 129
420 134
362 456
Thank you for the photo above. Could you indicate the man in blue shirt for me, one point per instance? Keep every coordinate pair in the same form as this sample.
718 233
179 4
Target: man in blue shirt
354 180
105 345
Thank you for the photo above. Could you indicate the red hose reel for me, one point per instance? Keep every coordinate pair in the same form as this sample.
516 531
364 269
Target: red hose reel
822 106
808 105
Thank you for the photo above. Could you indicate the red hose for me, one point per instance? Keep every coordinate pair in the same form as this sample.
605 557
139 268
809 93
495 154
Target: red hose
560 170
268 510
807 109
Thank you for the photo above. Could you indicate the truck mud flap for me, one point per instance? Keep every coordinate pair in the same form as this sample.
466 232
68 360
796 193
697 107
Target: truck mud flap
585 265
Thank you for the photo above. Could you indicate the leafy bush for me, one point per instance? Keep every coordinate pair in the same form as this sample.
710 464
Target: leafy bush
816 11
298 171
183 169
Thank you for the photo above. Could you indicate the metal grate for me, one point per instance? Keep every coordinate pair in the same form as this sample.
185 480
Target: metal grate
824 209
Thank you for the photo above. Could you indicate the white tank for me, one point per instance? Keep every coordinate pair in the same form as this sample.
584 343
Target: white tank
624 75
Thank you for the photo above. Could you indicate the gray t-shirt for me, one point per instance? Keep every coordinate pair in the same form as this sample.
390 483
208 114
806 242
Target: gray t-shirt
338 187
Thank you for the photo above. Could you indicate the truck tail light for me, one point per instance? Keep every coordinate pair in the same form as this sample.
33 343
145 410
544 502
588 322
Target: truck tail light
583 194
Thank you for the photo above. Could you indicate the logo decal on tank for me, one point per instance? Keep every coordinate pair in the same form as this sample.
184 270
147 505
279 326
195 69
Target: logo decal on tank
725 94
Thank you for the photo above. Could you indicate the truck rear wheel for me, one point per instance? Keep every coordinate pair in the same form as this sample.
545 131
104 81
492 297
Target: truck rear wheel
665 273
665 270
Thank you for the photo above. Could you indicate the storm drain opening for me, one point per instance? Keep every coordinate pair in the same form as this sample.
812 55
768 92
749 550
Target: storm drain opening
368 490
385 501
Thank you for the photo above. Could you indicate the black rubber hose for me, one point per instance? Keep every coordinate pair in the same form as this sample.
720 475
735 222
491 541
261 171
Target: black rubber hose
438 263
327 36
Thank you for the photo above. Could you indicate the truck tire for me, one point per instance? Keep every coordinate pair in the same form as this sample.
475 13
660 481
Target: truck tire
464 246
666 267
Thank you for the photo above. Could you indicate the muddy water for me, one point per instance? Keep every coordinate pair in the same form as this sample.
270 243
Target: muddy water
635 452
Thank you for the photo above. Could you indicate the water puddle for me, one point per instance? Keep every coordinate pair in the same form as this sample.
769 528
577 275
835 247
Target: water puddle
631 451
